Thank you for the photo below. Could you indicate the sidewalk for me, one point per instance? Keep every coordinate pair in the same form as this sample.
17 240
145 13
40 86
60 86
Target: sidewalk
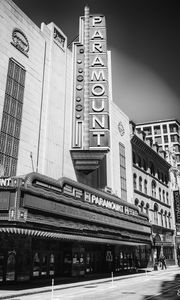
12 292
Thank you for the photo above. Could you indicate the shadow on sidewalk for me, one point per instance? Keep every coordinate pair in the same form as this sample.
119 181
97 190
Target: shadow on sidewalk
169 289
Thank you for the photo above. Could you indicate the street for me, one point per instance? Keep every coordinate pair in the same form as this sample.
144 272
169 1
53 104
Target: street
159 285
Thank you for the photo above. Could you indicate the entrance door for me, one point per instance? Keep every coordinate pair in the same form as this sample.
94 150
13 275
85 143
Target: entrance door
2 265
10 267
43 264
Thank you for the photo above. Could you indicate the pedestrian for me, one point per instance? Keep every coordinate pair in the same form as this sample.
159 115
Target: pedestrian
163 262
178 257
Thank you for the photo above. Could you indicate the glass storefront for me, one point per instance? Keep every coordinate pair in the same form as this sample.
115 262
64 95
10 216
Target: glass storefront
2 261
25 258
128 258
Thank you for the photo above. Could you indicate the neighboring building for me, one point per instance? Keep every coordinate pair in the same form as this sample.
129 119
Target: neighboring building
175 194
152 193
164 132
66 188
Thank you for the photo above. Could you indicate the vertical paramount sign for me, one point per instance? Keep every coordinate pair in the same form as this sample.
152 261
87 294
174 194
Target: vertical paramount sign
91 107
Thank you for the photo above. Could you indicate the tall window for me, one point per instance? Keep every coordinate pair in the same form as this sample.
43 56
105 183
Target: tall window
163 196
135 181
153 189
167 198
140 184
142 206
152 170
136 202
139 162
134 157
165 218
169 219
164 129
166 179
166 138
160 194
122 159
11 118
162 223
144 165
157 129
173 128
155 214
147 208
162 177
145 186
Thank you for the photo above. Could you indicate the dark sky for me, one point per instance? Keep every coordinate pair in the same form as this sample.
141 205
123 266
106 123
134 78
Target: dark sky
144 38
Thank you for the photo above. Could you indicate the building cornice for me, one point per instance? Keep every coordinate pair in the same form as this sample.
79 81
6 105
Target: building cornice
135 140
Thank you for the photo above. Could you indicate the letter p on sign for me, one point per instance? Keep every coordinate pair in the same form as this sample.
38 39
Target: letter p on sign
96 20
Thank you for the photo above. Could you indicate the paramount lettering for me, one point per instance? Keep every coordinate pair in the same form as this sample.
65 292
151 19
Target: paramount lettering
98 134
99 88
96 20
97 109
97 62
97 34
97 46
5 181
97 75
98 201
98 121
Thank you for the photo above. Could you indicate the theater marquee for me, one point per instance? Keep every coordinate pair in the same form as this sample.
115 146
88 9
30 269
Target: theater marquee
91 107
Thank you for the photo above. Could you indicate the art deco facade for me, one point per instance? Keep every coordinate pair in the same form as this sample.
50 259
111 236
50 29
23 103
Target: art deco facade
66 186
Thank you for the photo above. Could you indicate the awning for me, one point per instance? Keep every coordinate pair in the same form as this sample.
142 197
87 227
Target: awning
68 237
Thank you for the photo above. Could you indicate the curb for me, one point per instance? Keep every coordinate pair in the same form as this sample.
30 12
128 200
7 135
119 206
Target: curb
77 284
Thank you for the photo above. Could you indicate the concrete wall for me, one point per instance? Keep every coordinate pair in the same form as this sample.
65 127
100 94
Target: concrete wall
119 119
47 97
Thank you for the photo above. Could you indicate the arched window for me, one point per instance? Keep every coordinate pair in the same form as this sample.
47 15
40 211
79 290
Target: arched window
169 219
134 157
147 208
140 184
159 175
155 213
142 206
160 194
144 165
162 177
166 179
136 201
162 223
152 170
139 162
145 186
163 193
165 218
135 181
167 198
153 188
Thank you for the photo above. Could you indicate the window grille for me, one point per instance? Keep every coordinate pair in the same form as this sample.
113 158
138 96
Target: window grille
11 118
122 158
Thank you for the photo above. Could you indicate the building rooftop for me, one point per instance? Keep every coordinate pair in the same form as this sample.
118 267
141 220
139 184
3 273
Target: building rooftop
159 121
